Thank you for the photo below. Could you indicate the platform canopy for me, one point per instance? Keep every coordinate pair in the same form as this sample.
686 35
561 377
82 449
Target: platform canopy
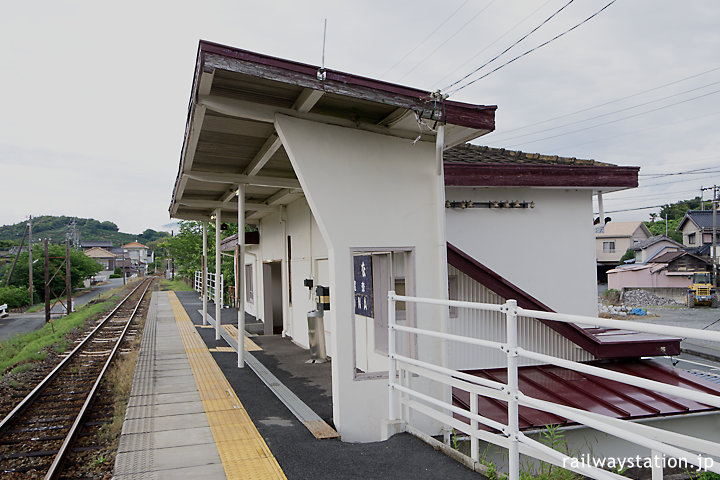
230 138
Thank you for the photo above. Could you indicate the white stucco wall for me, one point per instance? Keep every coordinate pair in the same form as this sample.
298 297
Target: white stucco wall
548 251
367 190
309 255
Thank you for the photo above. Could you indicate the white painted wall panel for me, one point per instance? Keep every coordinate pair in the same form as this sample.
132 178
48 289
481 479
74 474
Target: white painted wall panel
532 334
547 251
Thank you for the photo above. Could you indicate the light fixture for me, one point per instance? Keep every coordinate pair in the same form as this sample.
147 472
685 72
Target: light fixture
223 226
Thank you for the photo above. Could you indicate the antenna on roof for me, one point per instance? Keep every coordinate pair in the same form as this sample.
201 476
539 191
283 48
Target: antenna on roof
321 75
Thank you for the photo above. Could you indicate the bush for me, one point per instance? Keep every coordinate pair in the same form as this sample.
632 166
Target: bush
115 275
15 297
612 296
117 271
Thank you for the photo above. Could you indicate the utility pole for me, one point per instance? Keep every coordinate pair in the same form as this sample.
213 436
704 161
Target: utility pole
30 261
47 282
68 283
714 234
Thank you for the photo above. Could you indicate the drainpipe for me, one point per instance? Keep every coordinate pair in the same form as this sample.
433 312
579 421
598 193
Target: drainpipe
218 268
442 257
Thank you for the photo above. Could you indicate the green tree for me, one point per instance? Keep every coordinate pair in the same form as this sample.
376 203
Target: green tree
81 267
629 255
658 228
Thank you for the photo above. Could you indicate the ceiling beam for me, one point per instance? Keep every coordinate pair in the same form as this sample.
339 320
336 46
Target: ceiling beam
307 99
271 145
283 196
239 179
266 113
197 203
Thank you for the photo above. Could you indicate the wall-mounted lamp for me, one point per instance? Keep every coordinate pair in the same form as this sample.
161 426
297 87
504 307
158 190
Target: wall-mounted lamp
223 226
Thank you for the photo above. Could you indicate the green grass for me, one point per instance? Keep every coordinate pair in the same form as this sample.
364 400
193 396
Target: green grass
20 352
175 285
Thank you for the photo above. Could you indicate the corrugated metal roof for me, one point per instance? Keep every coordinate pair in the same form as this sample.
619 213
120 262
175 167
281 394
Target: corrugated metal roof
591 393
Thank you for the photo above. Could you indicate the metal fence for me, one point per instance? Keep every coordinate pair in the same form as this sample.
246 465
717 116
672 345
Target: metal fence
197 286
405 394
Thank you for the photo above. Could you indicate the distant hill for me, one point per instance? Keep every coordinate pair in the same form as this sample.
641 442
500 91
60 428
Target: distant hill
57 229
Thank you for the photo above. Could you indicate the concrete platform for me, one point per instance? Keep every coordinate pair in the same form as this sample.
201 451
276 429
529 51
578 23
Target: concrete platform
194 414
166 434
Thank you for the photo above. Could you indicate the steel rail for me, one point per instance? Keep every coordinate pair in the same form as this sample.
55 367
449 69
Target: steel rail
30 397
55 467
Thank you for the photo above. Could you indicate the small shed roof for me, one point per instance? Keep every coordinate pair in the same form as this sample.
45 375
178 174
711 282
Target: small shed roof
591 393
653 240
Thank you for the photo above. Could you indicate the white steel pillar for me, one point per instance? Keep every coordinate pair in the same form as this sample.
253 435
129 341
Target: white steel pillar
204 271
218 286
513 429
240 276
601 209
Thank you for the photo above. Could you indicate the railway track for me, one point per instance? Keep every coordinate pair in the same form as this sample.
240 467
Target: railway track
38 433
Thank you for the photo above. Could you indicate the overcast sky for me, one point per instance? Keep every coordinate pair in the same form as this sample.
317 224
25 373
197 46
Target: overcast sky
95 94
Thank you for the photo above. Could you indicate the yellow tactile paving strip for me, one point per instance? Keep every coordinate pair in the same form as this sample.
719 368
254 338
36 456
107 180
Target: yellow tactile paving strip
242 450
250 346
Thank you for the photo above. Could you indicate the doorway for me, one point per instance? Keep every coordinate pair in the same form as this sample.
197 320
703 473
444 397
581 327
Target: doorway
272 289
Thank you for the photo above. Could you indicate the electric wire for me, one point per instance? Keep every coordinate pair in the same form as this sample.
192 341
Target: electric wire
511 46
625 109
425 39
451 72
610 102
448 39
617 119
531 50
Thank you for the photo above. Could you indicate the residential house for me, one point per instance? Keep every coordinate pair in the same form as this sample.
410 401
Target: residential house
668 274
653 246
613 239
354 182
103 257
697 229
138 255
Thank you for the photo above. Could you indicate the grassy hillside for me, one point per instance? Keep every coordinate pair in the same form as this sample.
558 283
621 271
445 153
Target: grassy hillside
56 228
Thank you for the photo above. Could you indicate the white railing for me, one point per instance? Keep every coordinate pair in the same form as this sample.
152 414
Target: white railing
197 285
403 397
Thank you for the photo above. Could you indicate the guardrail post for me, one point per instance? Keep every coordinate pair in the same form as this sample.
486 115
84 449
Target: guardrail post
512 390
657 465
392 363
474 447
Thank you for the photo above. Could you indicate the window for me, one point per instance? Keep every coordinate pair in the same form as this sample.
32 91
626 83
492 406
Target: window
608 247
691 239
249 294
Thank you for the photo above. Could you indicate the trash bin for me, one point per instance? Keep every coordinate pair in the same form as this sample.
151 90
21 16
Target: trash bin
316 336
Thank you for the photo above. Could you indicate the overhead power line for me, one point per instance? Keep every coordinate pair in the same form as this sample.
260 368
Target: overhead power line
618 119
610 102
451 72
607 114
448 39
511 46
425 39
532 49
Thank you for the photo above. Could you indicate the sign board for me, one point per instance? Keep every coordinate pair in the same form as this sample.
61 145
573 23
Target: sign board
362 285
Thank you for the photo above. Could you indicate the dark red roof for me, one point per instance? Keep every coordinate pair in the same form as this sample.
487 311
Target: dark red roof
304 75
474 165
591 393
601 342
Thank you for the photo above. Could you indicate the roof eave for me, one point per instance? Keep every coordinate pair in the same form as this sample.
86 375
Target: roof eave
533 175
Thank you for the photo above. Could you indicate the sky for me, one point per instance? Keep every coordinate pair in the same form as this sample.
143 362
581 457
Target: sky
95 94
